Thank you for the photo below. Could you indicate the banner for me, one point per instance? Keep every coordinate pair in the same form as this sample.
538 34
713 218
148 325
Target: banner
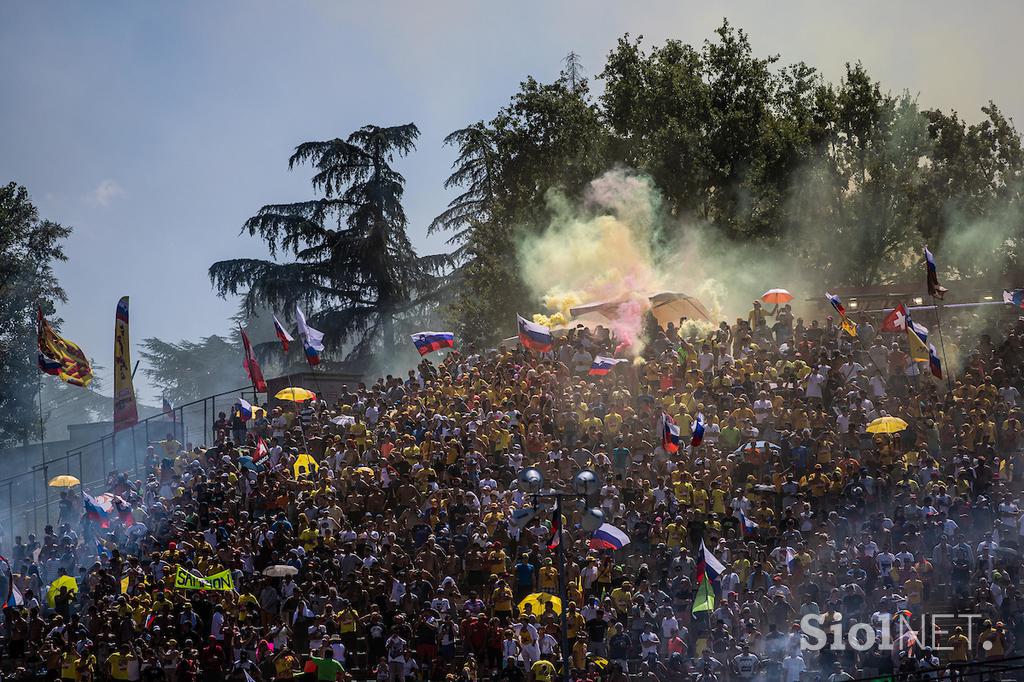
221 582
126 411
60 357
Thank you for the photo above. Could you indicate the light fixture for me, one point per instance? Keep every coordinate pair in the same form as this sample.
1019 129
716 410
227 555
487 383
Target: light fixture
853 304
593 519
586 482
988 298
531 480
918 300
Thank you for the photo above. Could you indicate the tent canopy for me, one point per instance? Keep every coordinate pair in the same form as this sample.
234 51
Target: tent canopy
666 306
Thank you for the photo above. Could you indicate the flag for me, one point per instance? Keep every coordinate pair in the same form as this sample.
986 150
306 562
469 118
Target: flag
427 342
48 366
896 320
244 409
669 433
608 537
705 599
261 450
790 560
934 290
96 511
554 538
16 599
708 565
63 358
282 334
934 364
126 409
124 585
603 365
1014 298
534 336
312 339
698 431
836 303
747 525
917 339
169 410
252 368
848 326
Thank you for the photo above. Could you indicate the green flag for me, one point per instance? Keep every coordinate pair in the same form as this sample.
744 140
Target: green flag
705 600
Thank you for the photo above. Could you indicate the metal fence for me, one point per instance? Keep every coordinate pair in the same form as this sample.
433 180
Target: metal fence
29 504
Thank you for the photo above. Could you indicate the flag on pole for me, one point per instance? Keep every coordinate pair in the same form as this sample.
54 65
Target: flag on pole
708 565
917 339
312 339
836 303
747 525
896 320
1014 298
261 450
126 407
169 409
244 409
63 358
848 326
934 289
705 599
282 334
669 433
252 367
535 337
427 342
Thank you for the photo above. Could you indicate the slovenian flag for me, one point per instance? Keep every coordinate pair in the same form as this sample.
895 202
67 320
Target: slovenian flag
244 409
427 342
934 364
934 290
48 366
312 339
95 511
836 303
603 365
747 525
669 433
282 334
1014 298
708 565
534 336
608 537
698 431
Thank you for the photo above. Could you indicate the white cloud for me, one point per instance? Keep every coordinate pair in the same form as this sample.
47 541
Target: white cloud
105 192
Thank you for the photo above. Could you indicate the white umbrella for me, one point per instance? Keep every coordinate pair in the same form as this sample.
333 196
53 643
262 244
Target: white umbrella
279 570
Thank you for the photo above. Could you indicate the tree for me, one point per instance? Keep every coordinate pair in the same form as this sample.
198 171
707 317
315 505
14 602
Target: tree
353 261
191 370
28 249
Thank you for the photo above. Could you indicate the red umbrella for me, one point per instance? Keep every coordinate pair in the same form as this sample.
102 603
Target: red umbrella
776 296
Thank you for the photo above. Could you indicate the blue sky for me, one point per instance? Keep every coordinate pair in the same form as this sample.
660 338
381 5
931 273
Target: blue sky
156 128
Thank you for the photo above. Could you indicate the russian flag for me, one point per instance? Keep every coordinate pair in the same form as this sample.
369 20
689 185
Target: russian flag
49 366
698 431
427 342
747 525
603 365
244 409
708 566
282 334
534 336
669 433
312 339
836 303
934 364
1014 298
608 537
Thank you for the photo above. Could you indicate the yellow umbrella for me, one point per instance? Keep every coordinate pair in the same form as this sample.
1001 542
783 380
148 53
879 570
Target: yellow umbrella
887 425
537 600
305 465
64 481
364 470
295 394
63 581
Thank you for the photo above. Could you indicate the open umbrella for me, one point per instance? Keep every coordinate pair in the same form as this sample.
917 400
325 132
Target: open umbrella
63 581
367 471
64 481
279 570
246 462
305 465
887 425
295 394
537 600
776 296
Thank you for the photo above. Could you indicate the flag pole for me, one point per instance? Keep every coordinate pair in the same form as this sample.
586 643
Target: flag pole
42 445
942 343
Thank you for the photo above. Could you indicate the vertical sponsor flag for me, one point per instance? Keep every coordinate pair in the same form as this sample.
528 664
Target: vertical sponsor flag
312 339
60 357
535 336
126 410
934 289
282 334
252 368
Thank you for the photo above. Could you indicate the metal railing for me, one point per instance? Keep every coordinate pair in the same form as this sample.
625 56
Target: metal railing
31 504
